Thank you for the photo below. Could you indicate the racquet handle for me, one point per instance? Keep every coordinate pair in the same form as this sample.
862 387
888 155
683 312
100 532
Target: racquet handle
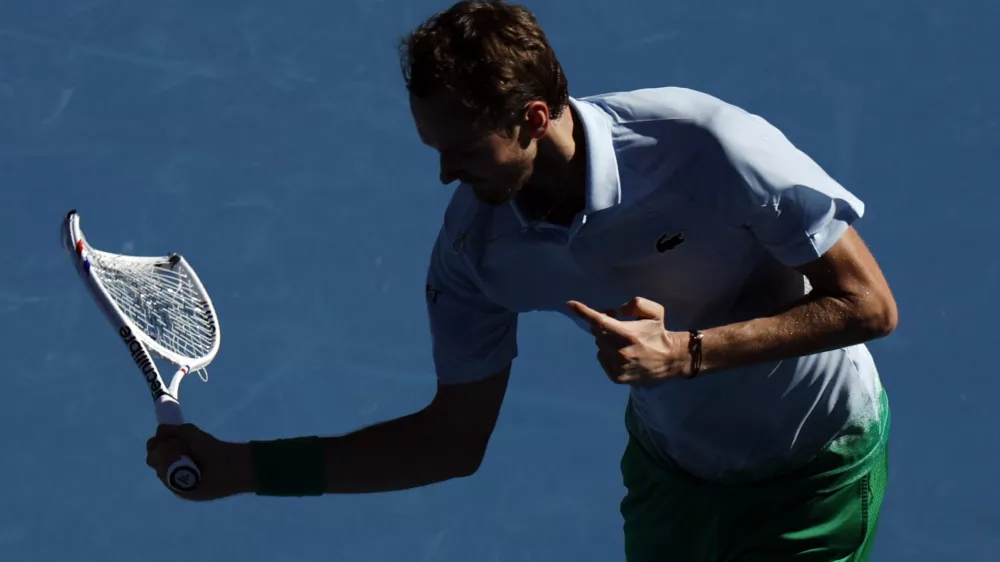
183 474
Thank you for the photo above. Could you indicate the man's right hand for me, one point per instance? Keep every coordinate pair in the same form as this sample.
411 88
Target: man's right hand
226 467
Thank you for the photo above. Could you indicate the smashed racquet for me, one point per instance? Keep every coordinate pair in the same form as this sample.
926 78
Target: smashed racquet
157 306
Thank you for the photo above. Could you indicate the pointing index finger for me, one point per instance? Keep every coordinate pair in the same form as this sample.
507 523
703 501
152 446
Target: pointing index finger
597 320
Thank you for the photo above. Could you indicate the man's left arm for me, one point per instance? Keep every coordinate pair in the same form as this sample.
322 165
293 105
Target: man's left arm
850 303
804 218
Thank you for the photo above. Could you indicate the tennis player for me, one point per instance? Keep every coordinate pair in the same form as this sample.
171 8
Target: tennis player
716 265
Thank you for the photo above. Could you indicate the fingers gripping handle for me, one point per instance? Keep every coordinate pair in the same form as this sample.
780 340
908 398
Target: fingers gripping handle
182 475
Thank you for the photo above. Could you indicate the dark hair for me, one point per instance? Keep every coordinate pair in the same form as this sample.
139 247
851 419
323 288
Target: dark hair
491 55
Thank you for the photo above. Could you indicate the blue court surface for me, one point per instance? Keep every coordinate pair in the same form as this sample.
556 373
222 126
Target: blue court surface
271 144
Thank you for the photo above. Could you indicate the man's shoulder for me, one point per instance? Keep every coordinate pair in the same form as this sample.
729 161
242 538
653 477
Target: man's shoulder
682 117
666 103
657 132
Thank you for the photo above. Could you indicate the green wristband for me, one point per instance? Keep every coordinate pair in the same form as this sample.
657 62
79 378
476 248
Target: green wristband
289 467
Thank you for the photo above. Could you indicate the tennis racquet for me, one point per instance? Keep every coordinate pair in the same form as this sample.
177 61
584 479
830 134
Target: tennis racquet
158 306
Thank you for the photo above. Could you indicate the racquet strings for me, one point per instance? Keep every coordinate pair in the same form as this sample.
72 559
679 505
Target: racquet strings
160 297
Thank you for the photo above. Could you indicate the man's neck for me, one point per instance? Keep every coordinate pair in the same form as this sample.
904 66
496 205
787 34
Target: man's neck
557 192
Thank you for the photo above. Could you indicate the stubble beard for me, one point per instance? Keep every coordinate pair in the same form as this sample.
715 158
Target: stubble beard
514 185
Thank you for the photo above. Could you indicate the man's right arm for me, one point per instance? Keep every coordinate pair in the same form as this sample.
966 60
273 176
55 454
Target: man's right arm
445 440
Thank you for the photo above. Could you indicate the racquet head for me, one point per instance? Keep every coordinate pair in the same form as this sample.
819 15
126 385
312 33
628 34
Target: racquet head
159 300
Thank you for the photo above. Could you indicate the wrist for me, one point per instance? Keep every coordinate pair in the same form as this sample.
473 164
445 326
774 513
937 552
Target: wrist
689 362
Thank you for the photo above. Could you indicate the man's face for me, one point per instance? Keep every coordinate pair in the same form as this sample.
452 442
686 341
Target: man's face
496 166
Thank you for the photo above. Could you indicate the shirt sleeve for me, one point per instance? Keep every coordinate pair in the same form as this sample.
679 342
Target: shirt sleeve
792 206
471 336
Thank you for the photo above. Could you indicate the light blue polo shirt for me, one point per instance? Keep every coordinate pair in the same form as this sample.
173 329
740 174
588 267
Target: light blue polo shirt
698 205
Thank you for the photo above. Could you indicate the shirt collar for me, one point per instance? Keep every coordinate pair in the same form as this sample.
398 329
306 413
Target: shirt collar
603 189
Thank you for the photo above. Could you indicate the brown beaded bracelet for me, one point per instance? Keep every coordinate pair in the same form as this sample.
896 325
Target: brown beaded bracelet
694 346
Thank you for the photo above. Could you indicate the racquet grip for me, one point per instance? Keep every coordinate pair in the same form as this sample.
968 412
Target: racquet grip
183 474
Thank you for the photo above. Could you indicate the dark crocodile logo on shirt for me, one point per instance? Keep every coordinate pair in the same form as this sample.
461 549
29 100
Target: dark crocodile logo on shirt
669 242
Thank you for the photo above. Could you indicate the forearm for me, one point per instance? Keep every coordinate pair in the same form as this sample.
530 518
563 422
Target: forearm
813 324
446 439
403 453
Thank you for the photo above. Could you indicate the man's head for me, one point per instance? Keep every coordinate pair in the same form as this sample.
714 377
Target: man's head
484 87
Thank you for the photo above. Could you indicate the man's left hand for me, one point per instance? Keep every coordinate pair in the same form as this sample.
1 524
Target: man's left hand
636 351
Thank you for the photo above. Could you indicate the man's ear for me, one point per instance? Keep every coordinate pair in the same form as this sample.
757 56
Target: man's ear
535 122
536 119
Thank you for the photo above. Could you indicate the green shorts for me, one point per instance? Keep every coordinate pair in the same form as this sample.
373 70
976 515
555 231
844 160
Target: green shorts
827 511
